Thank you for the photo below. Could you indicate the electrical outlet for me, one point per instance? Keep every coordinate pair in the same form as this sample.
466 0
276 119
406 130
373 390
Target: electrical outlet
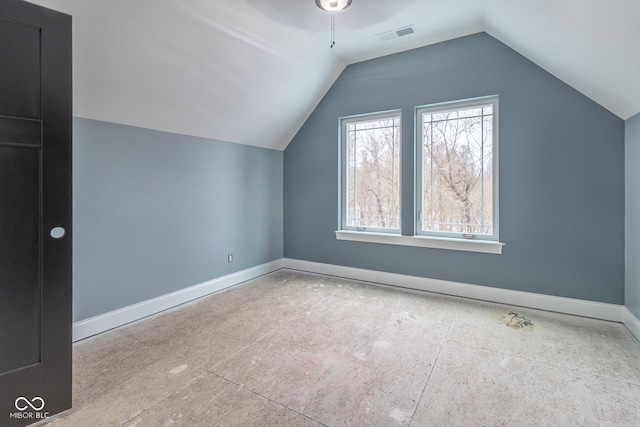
230 258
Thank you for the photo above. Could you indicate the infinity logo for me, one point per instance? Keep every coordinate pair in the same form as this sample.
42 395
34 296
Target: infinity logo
33 404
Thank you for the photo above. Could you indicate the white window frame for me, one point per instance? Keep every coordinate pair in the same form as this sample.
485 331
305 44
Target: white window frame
419 137
481 244
344 121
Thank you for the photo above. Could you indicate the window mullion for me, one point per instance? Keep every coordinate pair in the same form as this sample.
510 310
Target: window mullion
482 169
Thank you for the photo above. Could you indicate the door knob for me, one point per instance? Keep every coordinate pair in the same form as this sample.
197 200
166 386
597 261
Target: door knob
57 232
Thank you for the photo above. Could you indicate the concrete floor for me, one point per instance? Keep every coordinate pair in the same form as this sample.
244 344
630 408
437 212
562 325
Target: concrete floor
297 349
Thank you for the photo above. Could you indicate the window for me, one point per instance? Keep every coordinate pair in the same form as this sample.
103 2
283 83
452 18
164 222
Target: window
456 177
457 169
370 150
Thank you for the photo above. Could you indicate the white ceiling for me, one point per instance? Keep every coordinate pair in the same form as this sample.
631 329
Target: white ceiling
251 71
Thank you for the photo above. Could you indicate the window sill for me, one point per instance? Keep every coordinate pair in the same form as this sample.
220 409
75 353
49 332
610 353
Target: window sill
483 246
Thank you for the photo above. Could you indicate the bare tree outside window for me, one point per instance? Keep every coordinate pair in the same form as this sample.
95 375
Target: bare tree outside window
457 169
371 175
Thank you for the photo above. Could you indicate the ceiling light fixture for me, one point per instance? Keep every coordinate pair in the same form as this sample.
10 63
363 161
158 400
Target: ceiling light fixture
333 6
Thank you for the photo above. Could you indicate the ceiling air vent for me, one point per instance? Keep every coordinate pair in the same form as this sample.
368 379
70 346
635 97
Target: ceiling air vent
394 34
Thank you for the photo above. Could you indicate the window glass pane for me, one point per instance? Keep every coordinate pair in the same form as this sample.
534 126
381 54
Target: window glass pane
373 173
457 175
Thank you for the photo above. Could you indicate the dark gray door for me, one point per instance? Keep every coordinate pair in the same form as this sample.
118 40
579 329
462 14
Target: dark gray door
35 212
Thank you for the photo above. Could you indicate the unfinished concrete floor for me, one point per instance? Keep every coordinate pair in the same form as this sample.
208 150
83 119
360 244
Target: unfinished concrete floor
297 349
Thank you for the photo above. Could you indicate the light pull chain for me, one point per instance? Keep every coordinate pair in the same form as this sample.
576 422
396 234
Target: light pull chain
333 30
333 6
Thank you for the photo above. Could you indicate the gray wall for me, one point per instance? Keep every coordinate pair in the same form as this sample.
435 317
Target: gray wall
155 212
632 201
561 173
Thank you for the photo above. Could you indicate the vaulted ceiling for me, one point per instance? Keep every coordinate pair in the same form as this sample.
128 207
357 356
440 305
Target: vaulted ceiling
251 71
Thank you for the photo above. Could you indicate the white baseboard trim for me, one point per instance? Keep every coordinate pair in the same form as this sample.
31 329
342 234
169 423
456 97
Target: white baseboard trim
597 310
101 323
612 312
632 323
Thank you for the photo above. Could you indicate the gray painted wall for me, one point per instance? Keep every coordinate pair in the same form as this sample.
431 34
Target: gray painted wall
561 173
155 212
632 202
